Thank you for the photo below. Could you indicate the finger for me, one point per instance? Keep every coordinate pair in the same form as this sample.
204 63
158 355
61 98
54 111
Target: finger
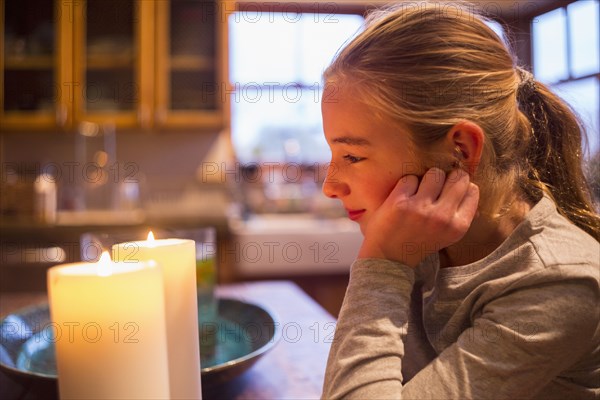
468 207
406 187
454 189
432 184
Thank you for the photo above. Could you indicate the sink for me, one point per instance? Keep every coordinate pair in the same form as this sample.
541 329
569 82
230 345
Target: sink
292 244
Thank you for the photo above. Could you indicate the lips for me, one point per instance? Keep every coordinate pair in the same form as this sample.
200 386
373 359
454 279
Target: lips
355 214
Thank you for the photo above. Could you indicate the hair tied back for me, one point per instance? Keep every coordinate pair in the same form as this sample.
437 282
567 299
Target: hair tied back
527 86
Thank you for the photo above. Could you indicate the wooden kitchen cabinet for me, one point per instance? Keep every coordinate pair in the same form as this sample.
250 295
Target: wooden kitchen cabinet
189 63
110 51
36 60
132 64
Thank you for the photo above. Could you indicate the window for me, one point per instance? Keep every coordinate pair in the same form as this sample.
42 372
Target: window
276 64
277 58
498 28
565 56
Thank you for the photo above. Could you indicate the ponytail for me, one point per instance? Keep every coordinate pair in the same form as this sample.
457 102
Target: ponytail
554 157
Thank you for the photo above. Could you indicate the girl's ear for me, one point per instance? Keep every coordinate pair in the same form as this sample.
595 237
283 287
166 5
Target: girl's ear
466 140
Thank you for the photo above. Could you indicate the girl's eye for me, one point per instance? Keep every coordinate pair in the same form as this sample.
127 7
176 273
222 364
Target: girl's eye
352 159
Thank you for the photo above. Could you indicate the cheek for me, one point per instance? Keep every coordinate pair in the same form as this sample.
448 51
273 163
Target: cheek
378 189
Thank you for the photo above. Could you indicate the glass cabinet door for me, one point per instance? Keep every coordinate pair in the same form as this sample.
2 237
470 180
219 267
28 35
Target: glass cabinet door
187 64
31 82
108 62
131 64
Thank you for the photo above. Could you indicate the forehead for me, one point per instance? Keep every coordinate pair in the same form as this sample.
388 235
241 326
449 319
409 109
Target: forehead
347 119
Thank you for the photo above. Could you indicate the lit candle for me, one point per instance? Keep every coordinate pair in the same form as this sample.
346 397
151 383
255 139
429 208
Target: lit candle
177 260
109 329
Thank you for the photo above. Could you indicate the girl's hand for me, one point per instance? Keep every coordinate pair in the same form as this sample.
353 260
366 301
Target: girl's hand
417 220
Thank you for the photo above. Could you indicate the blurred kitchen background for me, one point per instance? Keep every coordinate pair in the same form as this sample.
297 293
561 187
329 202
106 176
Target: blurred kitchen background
120 115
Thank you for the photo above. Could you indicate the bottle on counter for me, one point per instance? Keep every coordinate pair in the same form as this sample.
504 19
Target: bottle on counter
45 198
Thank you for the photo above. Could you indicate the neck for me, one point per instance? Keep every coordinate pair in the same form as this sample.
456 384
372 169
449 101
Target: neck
486 234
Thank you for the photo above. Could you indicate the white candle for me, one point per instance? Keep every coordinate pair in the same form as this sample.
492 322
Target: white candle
177 259
110 330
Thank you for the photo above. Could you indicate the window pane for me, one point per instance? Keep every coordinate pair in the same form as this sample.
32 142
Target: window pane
261 125
322 36
583 39
263 47
550 46
583 97
284 48
276 66
497 27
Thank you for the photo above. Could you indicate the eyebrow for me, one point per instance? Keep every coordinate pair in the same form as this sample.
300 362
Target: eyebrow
353 141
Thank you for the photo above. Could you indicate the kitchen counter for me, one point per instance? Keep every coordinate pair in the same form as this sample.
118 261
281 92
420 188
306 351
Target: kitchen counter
28 247
80 222
190 209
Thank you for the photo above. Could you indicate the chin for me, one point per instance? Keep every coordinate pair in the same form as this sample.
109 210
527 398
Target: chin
363 226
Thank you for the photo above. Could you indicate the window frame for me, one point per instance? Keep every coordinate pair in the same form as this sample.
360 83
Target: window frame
531 20
554 85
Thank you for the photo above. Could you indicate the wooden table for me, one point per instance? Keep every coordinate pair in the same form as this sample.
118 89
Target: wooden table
293 369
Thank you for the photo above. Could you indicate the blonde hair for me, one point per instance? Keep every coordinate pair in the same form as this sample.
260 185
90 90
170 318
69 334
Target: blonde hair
429 67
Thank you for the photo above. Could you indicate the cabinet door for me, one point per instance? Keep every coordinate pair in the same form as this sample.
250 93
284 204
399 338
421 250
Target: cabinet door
35 87
111 65
188 64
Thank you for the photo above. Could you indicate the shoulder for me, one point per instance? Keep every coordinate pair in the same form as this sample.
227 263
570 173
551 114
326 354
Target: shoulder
545 248
557 241
563 251
547 262
555 279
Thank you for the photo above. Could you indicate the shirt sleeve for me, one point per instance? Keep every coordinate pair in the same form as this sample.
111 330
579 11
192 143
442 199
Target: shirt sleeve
365 359
516 345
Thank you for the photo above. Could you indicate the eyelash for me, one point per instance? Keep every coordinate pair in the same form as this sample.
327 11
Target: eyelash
352 159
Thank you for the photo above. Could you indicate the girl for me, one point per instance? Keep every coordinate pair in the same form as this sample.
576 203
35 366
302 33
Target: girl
478 276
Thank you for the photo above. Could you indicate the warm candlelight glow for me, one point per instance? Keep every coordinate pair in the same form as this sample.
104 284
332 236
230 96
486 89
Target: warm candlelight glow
124 354
176 261
104 265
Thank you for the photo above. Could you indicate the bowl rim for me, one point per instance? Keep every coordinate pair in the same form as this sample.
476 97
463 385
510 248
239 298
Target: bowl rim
245 359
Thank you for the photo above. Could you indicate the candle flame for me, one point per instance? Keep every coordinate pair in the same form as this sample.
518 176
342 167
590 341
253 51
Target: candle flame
104 264
150 236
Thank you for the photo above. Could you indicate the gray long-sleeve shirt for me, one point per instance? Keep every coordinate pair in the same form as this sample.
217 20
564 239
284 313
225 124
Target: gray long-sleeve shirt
521 323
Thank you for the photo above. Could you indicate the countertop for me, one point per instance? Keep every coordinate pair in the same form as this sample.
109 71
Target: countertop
14 229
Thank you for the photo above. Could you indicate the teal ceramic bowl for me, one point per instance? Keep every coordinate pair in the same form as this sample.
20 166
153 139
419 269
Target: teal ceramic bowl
229 345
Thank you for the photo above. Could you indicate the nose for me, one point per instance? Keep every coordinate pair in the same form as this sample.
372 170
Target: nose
334 187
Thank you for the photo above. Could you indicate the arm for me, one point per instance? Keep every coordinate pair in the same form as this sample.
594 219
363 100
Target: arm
365 360
489 359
